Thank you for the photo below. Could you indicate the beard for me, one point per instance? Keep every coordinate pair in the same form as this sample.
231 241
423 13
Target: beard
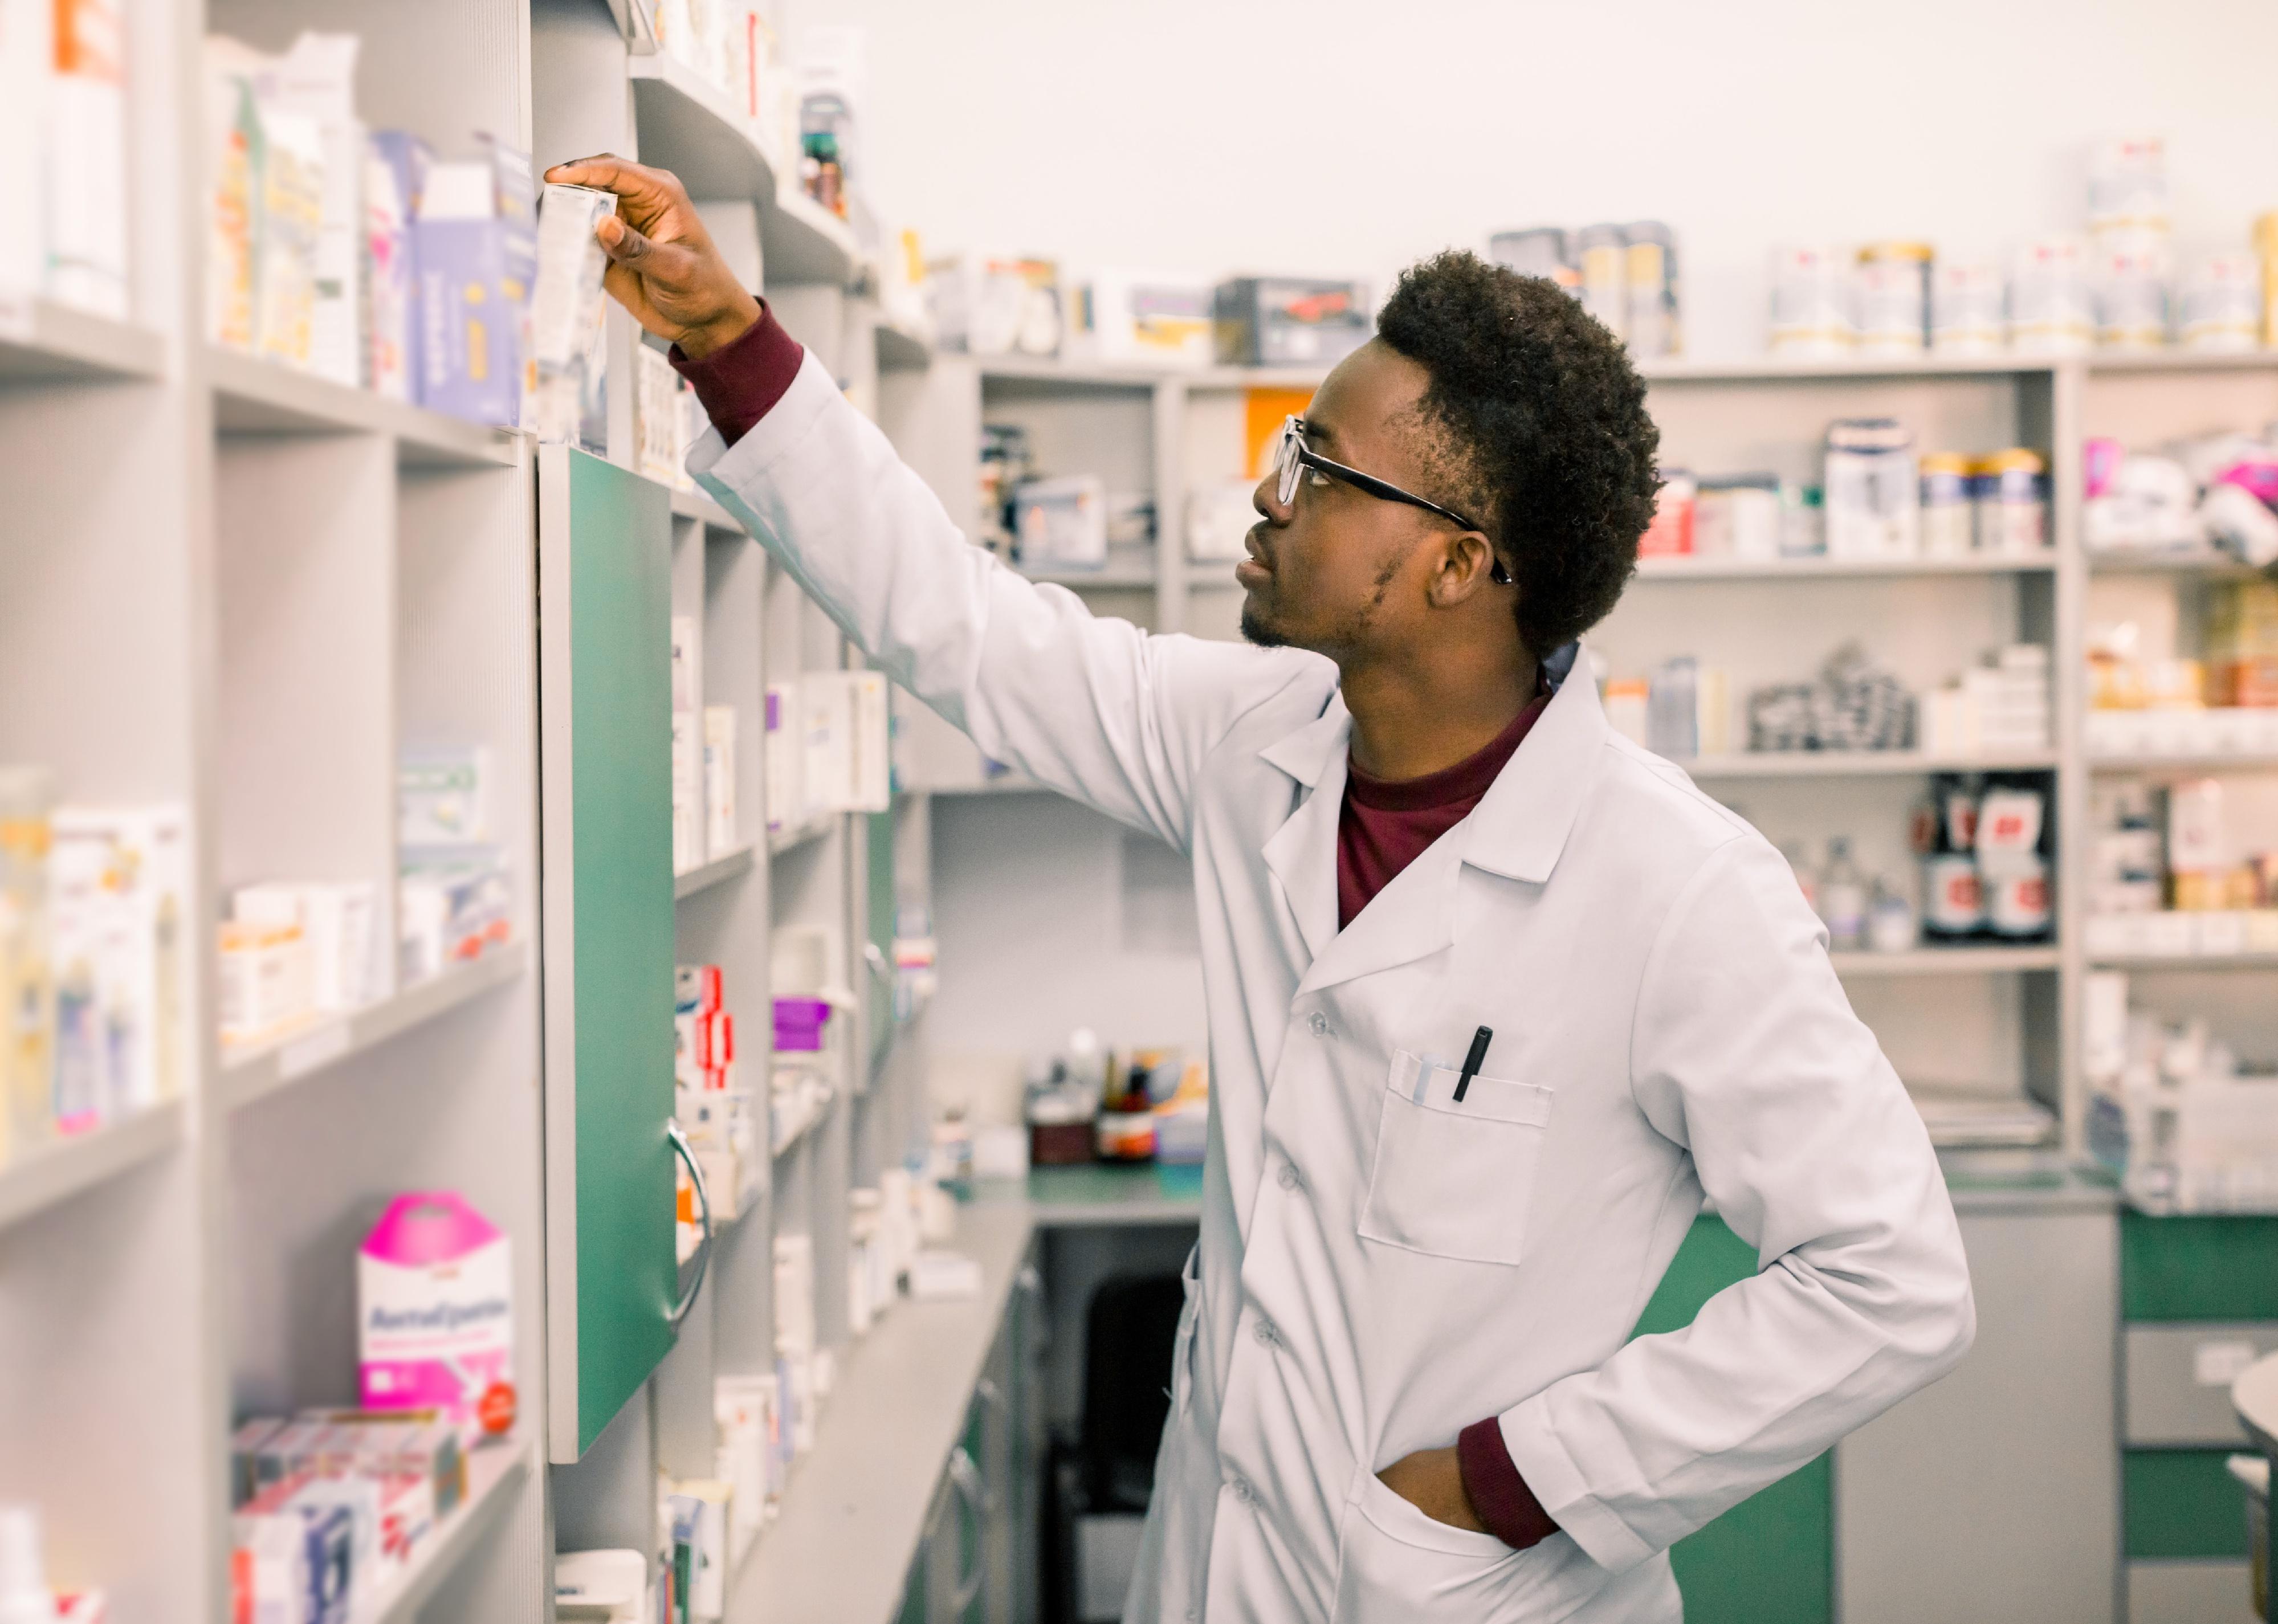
1257 633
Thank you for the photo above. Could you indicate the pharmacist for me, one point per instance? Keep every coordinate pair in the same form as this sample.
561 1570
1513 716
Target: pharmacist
1495 996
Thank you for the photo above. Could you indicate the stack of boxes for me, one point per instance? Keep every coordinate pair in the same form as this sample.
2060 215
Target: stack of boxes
828 747
705 822
2001 708
359 256
2167 877
712 1109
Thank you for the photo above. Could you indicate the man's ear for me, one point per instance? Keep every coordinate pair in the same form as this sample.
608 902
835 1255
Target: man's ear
1466 568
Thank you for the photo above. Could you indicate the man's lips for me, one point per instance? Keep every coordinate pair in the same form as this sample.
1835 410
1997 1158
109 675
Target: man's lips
1254 569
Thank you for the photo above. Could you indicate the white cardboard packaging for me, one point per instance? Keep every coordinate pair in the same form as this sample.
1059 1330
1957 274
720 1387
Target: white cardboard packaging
25 50
138 942
720 831
782 757
315 78
687 793
85 158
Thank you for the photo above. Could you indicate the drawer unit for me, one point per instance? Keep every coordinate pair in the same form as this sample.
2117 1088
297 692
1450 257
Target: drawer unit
2175 1381
2198 1301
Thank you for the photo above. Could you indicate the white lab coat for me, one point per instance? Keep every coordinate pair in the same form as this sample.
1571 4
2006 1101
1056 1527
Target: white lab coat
1379 1267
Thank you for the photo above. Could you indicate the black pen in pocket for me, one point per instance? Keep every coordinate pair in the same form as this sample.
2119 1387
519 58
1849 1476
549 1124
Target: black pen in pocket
1479 1041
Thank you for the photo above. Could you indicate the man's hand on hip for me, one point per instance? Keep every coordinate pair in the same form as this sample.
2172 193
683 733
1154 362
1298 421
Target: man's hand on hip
662 265
1431 1481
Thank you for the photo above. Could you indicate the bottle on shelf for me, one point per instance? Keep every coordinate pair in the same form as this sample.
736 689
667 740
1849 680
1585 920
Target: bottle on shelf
1843 898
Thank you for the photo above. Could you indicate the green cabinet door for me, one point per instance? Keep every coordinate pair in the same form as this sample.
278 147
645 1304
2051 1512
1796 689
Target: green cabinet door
1770 1560
604 744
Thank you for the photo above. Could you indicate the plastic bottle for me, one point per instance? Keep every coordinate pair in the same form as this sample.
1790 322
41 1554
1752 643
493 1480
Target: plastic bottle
26 990
1843 897
24 1595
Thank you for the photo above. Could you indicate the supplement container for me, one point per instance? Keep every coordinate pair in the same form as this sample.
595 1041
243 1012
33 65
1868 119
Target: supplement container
2050 310
2009 492
1894 282
1873 502
2131 296
1811 302
1948 525
1738 516
2128 185
2266 249
2222 304
26 990
1601 254
1649 258
1968 312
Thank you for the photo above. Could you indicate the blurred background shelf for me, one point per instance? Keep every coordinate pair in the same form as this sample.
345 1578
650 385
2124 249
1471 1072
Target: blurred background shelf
261 1068
50 1173
255 397
1858 764
719 871
42 340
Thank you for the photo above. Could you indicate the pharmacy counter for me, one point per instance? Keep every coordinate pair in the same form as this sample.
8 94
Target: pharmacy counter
856 1510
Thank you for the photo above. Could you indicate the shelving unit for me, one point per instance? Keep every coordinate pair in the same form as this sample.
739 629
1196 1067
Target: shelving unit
42 341
1166 433
56 1172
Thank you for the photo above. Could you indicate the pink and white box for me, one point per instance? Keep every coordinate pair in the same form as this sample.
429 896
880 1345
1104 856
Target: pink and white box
435 1315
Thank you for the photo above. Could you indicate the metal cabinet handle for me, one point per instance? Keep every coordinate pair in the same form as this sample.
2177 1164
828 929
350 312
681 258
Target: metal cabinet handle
965 1477
687 1154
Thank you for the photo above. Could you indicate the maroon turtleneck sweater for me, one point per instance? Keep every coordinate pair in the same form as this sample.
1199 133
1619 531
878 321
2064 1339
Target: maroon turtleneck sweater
1384 825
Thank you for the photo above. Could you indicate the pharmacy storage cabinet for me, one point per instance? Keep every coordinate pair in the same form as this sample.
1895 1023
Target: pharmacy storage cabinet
605 545
2005 1469
2198 1301
1770 1560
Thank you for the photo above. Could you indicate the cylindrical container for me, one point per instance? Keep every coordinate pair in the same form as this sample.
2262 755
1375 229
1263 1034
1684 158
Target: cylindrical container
2017 898
26 986
2128 185
1545 251
1967 309
1948 526
2050 310
1602 254
2266 249
2222 304
2131 296
1894 283
1873 505
1811 302
1649 259
1953 902
2009 495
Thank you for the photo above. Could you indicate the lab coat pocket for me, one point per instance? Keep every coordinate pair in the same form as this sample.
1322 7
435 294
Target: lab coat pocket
1399 1565
1452 1178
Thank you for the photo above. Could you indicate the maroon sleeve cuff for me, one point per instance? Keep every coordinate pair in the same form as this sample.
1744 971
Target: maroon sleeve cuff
1497 1492
739 383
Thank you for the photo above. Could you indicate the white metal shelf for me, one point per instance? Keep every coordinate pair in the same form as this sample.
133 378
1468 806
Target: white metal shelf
1860 764
253 1071
792 836
1117 578
2182 361
696 505
258 397
1821 567
805 242
2187 761
903 346
2202 560
719 871
493 1471
42 340
1947 961
54 1172
686 124
2183 961
1842 369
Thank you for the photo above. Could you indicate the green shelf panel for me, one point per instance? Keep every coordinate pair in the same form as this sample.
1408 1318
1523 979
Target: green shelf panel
2182 1503
1770 1560
2199 1267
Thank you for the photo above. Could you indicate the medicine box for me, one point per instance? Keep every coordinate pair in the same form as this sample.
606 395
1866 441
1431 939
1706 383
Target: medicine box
442 797
435 1315
1150 316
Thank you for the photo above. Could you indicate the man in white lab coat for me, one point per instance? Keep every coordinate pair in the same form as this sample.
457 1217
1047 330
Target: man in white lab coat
1495 996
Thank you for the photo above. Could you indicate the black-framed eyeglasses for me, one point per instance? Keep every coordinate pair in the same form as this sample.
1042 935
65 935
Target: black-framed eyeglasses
1292 457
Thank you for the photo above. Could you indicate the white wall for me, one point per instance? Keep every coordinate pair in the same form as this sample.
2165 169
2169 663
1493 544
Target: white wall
1351 136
